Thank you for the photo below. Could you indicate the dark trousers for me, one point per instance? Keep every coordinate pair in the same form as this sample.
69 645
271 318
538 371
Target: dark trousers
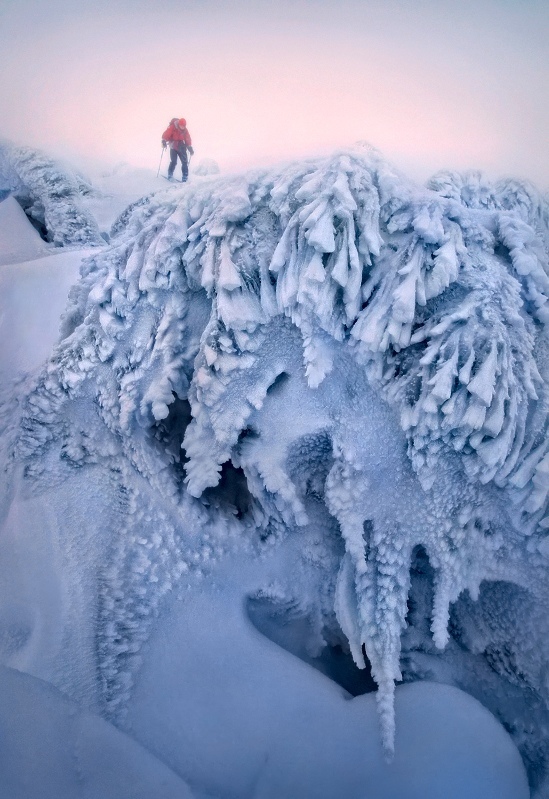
181 151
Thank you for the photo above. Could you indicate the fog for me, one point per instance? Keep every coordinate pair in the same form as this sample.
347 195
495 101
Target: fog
431 83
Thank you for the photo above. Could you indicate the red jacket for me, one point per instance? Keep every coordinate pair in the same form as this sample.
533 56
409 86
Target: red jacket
177 132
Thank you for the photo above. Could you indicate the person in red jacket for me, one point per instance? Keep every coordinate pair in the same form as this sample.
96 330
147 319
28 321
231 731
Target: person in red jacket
179 139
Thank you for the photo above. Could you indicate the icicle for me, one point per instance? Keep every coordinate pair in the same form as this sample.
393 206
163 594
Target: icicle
229 279
340 271
443 380
465 371
346 608
444 272
482 385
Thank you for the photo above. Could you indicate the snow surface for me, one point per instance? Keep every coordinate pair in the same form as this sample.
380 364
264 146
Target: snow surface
19 240
54 749
33 295
291 446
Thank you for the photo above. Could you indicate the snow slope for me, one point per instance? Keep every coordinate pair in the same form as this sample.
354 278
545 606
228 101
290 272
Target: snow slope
54 749
20 241
295 419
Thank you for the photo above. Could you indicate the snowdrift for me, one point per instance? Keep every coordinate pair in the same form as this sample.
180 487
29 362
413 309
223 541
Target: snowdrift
20 241
325 367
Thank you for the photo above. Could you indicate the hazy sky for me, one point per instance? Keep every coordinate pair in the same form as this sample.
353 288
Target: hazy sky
431 83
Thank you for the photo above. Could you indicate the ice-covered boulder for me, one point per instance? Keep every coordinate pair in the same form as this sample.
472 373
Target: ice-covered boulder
329 353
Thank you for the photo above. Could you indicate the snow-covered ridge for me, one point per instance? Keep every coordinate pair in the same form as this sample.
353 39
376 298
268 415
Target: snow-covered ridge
394 336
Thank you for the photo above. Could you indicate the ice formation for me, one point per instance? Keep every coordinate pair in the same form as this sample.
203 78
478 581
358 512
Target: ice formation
324 351
51 195
206 166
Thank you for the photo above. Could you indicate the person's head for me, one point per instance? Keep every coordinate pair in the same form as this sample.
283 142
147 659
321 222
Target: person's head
182 122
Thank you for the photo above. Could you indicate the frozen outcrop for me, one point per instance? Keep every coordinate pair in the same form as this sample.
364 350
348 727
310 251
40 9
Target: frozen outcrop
51 195
341 340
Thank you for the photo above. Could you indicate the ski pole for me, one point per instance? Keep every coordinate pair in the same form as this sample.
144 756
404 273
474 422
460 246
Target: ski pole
161 157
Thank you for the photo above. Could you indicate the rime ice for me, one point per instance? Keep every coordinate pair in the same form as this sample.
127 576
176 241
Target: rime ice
329 361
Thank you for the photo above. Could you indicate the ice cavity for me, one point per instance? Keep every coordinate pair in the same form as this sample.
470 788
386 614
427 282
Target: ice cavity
370 357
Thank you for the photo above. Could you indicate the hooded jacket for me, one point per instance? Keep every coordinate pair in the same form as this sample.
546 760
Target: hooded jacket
177 133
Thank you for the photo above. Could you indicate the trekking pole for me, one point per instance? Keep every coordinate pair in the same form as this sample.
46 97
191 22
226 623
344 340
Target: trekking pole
161 157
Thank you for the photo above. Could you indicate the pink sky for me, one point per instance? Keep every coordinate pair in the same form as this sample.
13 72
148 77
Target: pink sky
429 84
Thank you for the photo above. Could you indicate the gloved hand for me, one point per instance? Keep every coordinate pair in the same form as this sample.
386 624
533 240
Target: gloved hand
164 145
190 149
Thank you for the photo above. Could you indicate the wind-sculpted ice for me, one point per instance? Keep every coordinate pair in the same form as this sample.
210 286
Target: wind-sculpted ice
372 357
51 194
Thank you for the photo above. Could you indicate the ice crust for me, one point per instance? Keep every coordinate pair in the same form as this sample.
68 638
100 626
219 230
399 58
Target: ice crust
366 360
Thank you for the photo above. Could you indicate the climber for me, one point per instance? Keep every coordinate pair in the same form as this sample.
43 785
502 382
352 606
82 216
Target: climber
178 137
